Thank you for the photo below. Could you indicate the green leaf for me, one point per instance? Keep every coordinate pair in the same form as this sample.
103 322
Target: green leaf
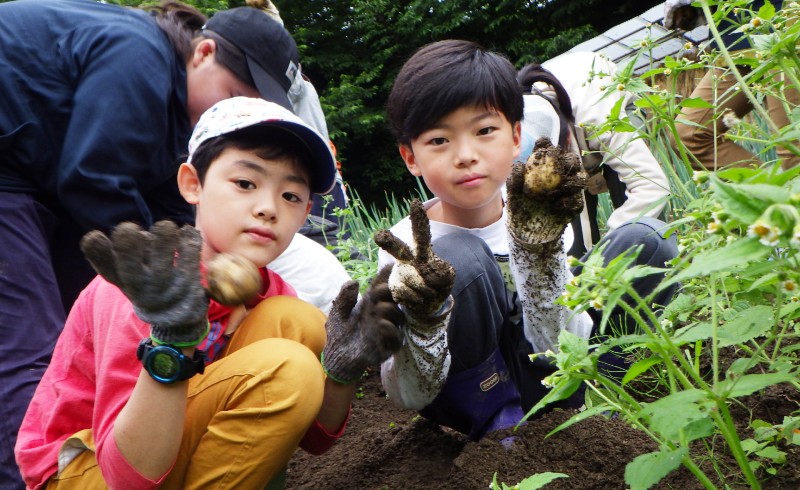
747 202
671 414
648 469
695 103
750 383
539 480
734 254
699 429
566 387
743 326
581 416
639 367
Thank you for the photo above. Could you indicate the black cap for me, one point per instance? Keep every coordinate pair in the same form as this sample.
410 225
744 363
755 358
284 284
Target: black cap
270 51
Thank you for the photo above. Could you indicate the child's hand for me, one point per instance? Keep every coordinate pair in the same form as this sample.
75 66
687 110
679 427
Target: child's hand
159 272
420 281
545 194
364 334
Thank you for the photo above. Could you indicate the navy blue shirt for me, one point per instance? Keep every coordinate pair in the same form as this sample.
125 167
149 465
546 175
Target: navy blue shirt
737 40
93 113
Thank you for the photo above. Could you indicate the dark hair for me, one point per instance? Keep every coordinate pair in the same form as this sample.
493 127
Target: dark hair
261 140
534 72
183 26
230 57
179 22
444 76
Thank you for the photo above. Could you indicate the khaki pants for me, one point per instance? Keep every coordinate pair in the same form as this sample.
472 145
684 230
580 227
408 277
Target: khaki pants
707 141
247 413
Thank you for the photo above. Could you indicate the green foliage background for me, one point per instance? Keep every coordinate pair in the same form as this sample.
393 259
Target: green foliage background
352 50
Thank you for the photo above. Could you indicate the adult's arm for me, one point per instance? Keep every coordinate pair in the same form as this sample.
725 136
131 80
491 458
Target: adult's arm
626 153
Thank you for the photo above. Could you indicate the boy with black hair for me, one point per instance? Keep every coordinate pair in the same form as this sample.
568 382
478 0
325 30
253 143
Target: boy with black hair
465 362
122 405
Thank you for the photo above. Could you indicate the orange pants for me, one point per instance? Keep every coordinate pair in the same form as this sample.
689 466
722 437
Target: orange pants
247 413
707 141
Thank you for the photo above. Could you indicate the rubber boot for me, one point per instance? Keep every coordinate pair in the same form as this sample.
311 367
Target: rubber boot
478 400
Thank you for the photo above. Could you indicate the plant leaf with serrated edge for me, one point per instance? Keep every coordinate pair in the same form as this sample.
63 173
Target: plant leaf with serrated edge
750 383
669 415
743 326
648 469
746 202
737 253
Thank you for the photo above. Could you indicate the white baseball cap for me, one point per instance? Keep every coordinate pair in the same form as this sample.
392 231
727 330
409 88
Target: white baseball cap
237 113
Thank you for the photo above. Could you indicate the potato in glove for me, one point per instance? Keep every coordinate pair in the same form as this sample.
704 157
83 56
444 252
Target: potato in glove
545 194
159 272
420 281
361 333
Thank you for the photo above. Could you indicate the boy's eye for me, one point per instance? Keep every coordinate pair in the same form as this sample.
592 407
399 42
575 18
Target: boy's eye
292 197
245 184
487 130
438 141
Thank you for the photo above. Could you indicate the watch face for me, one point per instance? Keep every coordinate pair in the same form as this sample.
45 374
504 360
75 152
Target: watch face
163 364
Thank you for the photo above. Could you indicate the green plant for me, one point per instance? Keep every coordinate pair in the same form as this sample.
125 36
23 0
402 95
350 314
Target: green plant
355 246
764 446
739 239
531 483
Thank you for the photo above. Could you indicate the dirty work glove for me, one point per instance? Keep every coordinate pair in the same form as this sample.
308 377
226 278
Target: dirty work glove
159 272
680 14
420 281
361 334
545 194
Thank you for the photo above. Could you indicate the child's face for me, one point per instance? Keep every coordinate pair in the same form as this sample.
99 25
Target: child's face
465 158
247 205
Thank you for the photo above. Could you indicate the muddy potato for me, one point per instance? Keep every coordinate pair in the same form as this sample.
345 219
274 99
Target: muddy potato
232 279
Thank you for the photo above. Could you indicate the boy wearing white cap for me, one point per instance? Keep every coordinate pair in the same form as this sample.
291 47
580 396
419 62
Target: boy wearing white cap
123 403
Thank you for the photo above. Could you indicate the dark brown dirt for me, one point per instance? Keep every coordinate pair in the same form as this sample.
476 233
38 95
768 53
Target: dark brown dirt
389 448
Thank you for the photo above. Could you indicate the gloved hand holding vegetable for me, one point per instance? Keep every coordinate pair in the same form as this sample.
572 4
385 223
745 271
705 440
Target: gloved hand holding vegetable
545 194
159 272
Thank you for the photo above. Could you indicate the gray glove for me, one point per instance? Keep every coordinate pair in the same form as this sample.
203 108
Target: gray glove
420 281
159 272
680 14
361 334
545 194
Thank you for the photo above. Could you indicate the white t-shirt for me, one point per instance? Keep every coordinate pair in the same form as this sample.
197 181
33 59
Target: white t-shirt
312 270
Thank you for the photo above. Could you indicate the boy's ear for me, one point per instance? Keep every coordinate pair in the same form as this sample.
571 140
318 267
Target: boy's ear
411 162
517 136
189 183
204 49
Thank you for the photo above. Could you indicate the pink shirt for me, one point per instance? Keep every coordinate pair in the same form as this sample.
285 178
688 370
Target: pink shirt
89 380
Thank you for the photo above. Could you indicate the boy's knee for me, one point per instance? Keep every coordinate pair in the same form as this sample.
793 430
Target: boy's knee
658 248
292 366
650 233
291 318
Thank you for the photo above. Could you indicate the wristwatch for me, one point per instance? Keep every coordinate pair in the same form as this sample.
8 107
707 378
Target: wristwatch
167 364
